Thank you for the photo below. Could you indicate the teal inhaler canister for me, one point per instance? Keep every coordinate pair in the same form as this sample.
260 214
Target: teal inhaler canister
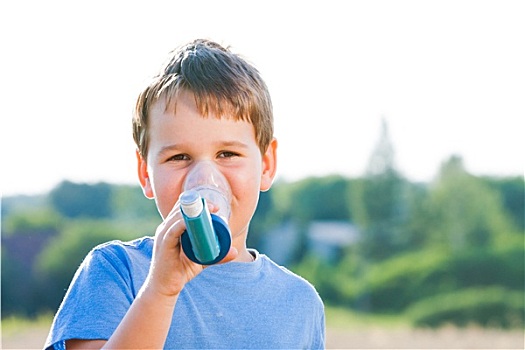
207 238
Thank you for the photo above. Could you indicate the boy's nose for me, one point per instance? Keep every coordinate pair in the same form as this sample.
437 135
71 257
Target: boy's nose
205 173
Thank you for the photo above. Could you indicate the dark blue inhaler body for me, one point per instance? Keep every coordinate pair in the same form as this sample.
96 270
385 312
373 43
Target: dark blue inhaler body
207 238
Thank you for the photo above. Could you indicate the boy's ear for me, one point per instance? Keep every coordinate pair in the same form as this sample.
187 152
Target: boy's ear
145 182
269 166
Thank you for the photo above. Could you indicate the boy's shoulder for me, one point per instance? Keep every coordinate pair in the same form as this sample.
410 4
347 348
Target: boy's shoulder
138 245
287 278
123 254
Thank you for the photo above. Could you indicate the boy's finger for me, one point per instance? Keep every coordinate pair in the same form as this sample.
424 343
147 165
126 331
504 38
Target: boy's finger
212 207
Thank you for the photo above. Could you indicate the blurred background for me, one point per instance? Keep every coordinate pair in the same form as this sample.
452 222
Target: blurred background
400 191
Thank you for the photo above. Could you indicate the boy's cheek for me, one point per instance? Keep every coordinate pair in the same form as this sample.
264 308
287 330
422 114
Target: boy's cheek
166 196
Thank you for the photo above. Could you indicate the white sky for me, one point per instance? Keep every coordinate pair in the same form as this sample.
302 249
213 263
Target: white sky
448 76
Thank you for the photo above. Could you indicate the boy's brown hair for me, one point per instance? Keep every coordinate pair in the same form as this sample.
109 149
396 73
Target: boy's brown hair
222 82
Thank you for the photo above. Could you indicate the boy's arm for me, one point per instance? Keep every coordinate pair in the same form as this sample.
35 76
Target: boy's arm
147 322
145 326
84 344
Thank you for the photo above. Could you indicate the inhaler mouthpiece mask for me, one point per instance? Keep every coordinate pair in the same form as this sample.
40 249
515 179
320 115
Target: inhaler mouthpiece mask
207 238
210 183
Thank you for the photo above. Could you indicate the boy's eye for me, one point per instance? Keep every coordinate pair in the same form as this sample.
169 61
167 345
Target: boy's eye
227 154
178 157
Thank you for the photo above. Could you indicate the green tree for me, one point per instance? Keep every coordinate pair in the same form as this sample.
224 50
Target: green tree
24 235
129 203
28 222
378 202
462 210
261 220
512 191
320 198
414 234
75 200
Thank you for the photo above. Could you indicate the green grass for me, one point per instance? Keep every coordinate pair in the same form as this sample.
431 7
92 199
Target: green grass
14 324
337 317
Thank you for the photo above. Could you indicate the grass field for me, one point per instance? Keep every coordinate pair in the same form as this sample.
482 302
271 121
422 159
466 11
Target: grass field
345 330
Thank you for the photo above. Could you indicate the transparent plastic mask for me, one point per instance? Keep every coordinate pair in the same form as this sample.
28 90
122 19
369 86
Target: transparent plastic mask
211 184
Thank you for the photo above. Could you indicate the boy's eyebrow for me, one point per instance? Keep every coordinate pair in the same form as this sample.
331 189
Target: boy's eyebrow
233 143
169 148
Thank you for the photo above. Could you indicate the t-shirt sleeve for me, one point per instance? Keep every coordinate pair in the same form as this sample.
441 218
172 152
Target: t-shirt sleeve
320 330
98 297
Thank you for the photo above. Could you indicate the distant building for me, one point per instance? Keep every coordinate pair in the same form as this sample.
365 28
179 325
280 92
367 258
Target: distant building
326 239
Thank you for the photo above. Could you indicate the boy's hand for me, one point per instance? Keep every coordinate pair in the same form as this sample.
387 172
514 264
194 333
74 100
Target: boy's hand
170 269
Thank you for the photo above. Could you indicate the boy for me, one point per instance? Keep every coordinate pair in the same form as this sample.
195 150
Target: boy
206 105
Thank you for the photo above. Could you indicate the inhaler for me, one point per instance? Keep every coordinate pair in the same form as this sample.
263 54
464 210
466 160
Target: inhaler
207 238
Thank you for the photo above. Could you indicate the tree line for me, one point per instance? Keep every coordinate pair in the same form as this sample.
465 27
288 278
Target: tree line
447 251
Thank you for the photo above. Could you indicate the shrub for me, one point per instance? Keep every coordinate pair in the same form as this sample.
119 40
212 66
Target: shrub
394 284
489 307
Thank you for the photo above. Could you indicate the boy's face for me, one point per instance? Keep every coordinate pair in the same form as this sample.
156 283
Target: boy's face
179 141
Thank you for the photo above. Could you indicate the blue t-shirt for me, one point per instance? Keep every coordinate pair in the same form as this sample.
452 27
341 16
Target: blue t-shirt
257 305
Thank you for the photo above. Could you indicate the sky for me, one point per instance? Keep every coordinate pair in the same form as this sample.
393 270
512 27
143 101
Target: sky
448 77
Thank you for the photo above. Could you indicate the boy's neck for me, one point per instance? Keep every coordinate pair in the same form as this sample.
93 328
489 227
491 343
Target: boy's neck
244 256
